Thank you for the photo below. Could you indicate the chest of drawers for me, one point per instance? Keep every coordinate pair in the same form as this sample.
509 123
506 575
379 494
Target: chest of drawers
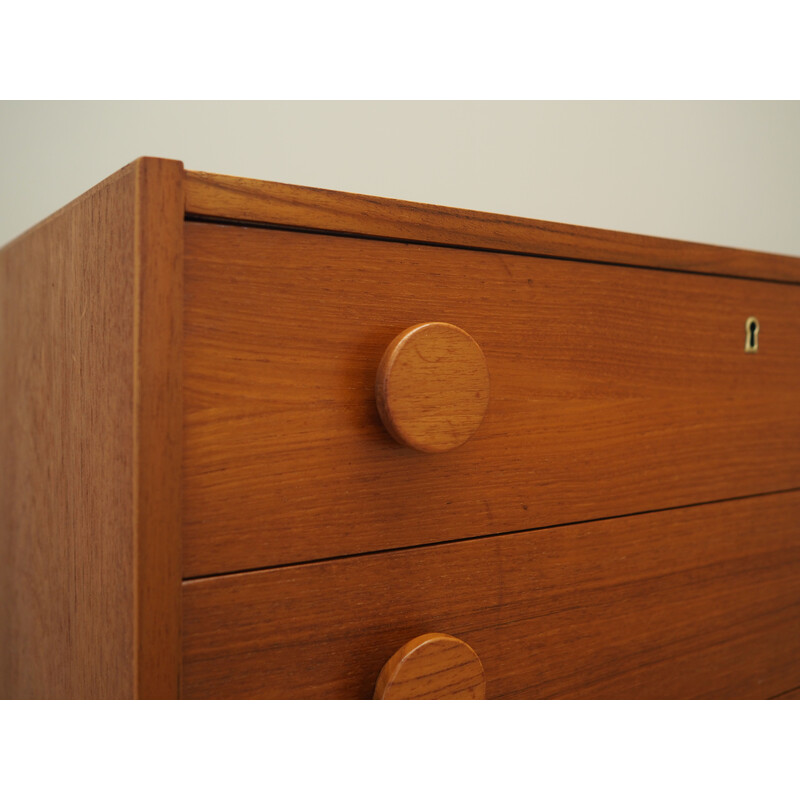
264 441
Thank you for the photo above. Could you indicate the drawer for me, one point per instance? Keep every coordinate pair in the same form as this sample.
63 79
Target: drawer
613 390
692 602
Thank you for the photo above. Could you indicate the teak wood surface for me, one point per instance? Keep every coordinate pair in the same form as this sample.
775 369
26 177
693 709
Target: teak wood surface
227 197
90 430
793 694
614 390
434 666
432 387
693 602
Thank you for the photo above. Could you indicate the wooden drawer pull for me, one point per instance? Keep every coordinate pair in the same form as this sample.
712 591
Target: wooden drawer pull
434 666
432 387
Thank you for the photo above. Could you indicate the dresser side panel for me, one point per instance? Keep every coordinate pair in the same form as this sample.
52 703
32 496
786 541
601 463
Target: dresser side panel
70 593
158 426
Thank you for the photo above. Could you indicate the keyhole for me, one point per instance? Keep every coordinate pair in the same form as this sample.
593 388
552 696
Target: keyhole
751 342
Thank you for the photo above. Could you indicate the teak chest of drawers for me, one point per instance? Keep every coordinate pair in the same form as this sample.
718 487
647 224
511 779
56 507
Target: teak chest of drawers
264 441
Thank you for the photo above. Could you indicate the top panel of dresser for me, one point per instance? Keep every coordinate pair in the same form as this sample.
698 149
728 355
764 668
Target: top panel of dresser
223 197
613 390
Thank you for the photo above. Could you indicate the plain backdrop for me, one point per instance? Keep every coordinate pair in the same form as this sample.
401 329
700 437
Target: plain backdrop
717 172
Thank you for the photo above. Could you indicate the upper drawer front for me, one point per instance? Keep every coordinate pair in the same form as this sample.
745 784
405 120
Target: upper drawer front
692 602
612 390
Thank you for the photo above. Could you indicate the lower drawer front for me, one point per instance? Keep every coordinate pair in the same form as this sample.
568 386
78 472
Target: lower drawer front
693 602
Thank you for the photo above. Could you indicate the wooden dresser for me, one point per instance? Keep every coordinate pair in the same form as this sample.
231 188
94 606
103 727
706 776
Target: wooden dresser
264 441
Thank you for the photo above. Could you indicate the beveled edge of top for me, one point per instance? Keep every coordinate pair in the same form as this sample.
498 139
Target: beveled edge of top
232 199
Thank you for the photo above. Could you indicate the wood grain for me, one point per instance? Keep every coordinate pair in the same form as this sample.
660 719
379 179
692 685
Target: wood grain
433 666
232 198
792 694
90 443
432 387
694 602
158 426
613 391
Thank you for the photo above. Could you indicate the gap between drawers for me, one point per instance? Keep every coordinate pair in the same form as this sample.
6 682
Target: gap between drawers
485 536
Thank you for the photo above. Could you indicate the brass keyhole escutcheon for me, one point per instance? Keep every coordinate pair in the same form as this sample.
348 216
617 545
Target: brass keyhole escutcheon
751 327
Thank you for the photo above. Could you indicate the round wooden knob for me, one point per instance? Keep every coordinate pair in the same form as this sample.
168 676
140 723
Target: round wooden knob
434 666
432 387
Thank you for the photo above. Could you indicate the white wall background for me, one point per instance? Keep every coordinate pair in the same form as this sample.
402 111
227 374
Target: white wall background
716 172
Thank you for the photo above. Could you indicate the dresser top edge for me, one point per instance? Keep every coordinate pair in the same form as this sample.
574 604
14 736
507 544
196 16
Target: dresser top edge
235 200
231 199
